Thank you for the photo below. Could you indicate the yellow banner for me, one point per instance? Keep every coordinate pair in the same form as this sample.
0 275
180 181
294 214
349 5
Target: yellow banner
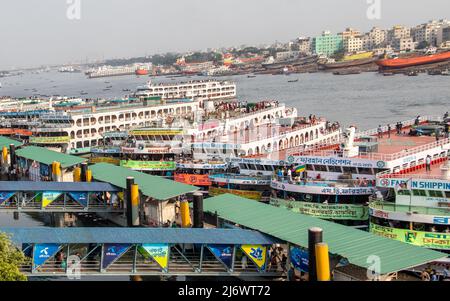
114 161
159 253
49 140
257 253
156 132
48 197
253 195
433 240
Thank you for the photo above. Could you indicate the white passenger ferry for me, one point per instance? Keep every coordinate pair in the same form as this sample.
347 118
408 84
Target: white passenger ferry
198 89
337 183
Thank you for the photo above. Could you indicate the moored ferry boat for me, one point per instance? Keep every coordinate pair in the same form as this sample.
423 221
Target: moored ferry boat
256 187
198 89
337 184
417 208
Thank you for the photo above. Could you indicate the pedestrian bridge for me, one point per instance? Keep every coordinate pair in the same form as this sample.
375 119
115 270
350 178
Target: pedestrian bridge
29 196
144 251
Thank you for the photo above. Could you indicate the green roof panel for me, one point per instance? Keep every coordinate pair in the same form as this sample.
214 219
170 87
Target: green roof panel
5 141
155 187
46 156
353 244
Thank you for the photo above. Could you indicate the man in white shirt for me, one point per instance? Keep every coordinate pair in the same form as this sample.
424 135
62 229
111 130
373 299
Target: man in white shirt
428 163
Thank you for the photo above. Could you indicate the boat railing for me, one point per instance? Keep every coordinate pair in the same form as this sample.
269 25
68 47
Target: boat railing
381 156
391 206
325 183
405 123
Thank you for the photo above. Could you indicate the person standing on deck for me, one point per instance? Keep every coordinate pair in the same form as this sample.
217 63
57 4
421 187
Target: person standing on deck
380 131
428 163
389 130
445 115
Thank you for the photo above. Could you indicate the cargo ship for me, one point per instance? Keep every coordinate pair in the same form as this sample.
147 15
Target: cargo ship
414 61
141 71
348 63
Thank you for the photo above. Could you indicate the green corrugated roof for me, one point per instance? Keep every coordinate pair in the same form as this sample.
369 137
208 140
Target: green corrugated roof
353 244
155 187
46 156
5 141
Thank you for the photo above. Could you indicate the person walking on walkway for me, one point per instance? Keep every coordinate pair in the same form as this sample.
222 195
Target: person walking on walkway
428 163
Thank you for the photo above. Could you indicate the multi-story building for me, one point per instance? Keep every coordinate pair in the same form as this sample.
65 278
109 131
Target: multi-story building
304 45
349 33
431 32
375 38
398 32
328 44
353 44
404 44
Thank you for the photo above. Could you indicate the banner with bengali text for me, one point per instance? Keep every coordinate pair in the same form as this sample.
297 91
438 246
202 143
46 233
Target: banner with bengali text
159 253
431 240
253 195
326 211
148 165
49 196
49 140
191 179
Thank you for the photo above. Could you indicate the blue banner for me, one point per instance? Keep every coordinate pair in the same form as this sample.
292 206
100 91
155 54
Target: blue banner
42 252
224 253
300 259
112 252
80 197
44 170
4 196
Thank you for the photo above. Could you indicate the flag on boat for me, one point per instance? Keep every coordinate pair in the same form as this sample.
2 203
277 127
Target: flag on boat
300 168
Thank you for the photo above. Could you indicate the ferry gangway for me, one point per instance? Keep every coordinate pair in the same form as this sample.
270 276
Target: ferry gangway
70 197
102 251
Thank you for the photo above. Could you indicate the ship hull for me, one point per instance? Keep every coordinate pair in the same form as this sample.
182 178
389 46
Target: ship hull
416 61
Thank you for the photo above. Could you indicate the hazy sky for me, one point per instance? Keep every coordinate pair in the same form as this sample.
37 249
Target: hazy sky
35 32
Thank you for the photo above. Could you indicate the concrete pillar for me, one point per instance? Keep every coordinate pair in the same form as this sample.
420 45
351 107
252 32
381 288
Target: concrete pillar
128 198
84 167
198 210
314 237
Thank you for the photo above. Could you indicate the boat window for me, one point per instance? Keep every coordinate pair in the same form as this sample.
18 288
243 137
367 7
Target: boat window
417 192
351 170
242 166
447 194
404 192
252 166
435 193
309 167
320 167
365 171
335 169
269 167
259 167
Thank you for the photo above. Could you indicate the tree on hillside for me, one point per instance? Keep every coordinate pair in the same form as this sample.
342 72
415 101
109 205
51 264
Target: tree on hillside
10 259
